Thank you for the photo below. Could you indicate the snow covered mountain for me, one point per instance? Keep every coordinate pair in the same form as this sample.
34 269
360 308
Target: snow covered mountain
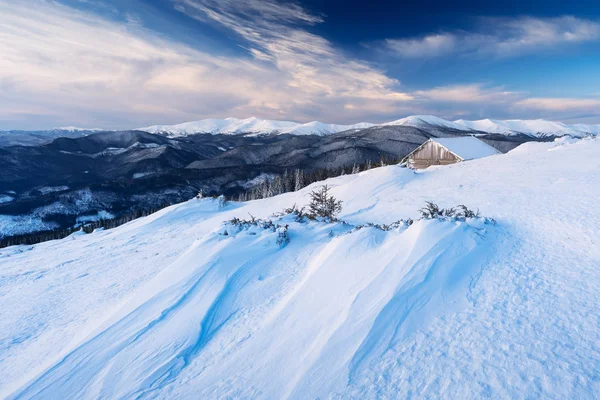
36 138
76 129
183 305
424 121
535 128
251 125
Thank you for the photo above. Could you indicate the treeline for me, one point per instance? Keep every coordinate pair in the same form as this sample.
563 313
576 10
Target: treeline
88 227
298 179
286 182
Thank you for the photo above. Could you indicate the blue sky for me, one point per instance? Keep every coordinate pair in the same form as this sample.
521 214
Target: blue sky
130 63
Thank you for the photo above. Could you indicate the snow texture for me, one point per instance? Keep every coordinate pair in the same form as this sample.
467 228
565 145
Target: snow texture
181 305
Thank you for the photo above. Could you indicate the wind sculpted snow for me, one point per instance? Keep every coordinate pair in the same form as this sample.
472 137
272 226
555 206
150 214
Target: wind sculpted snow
181 305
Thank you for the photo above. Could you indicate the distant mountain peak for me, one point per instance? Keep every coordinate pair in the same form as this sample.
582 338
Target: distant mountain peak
76 129
252 125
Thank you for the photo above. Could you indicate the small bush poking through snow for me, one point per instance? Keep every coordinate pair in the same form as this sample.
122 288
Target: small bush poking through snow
266 224
432 210
323 205
298 213
387 227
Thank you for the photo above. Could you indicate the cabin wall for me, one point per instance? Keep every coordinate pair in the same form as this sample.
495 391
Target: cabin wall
431 154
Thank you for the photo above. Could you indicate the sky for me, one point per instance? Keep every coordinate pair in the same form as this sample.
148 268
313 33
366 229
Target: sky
117 64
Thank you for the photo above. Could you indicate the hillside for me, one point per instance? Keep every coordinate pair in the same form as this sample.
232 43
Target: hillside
52 186
169 306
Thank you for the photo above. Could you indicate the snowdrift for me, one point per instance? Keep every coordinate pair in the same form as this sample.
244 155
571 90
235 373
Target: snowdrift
183 305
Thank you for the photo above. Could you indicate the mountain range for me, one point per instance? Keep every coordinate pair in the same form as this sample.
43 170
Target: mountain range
253 126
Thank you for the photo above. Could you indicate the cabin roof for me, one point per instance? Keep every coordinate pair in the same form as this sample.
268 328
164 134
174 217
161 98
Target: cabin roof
467 147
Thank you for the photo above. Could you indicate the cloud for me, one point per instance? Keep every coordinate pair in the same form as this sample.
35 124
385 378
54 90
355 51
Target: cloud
276 33
499 37
92 71
426 46
472 93
560 104
62 66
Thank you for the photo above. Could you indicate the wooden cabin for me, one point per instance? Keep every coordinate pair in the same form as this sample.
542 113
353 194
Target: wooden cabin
444 151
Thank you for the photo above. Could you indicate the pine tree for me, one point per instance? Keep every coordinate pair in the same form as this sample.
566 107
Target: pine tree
276 186
299 180
288 182
324 205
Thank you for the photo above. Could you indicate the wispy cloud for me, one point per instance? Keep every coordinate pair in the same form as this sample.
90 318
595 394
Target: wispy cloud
61 66
94 71
472 93
500 37
560 104
276 33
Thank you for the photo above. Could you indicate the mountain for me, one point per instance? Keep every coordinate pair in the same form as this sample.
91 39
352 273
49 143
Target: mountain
182 304
536 128
250 126
255 126
423 121
36 138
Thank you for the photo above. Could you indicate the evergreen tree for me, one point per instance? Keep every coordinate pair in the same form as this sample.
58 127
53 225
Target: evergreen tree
299 180
324 205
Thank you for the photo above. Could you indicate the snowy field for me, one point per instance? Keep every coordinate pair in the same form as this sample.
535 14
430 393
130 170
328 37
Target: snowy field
168 306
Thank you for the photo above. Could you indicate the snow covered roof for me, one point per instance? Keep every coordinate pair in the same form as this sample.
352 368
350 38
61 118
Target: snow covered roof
467 147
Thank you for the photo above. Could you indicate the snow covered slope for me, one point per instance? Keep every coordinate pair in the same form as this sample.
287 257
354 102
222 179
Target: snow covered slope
251 125
169 306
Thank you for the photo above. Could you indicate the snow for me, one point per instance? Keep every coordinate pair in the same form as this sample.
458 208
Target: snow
76 129
426 120
52 189
11 225
250 125
139 175
467 148
537 128
168 306
4 198
102 214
